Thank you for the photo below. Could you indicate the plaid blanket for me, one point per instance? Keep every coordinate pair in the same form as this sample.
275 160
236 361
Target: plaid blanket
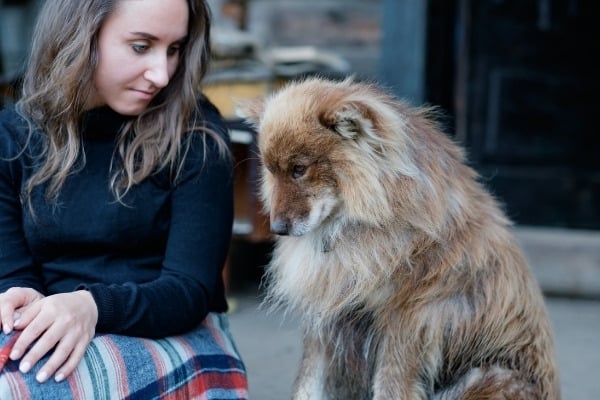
202 364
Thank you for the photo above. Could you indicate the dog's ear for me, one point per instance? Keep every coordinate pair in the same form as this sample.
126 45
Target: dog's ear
250 109
349 120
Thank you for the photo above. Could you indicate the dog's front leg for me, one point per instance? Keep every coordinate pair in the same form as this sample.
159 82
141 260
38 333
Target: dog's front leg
311 379
399 370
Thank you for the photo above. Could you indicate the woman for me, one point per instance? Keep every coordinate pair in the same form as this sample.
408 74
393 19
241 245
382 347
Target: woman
115 196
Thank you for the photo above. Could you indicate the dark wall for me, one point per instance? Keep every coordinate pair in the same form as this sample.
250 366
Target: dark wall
519 81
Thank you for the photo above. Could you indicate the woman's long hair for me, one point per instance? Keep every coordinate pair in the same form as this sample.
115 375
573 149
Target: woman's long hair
59 80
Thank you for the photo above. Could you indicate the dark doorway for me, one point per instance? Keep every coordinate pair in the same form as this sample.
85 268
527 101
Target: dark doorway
519 80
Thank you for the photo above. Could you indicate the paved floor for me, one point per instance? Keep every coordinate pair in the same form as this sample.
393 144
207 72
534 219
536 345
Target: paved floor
270 345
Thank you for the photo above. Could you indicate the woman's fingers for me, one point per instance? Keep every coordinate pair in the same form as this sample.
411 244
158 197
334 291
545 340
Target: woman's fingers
14 299
55 338
72 362
66 356
63 325
7 316
32 333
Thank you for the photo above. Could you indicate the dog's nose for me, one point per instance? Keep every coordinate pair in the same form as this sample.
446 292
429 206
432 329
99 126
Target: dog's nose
280 227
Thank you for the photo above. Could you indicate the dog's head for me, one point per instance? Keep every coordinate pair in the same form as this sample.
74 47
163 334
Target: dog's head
328 150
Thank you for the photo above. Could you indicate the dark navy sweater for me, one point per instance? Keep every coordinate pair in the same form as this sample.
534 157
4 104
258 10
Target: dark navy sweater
152 264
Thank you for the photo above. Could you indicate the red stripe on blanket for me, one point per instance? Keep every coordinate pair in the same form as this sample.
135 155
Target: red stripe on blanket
198 387
121 370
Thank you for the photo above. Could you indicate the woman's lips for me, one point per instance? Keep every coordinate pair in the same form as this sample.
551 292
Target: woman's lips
143 94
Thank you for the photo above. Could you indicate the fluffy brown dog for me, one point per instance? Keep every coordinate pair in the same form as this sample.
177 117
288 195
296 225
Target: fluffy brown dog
401 265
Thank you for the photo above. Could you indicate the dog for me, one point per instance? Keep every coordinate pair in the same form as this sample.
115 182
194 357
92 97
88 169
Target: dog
402 267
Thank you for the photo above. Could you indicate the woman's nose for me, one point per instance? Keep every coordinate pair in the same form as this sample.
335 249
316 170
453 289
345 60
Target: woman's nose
158 71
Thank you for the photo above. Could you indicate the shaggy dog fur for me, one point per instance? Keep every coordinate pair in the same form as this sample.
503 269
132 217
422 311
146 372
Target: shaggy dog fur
401 265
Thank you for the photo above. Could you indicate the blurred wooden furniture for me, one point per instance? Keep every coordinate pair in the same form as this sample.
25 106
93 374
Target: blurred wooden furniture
224 88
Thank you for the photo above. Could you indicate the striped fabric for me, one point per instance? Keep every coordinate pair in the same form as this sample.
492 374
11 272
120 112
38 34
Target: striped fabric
203 364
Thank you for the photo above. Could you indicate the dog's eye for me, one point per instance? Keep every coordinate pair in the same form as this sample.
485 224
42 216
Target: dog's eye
298 171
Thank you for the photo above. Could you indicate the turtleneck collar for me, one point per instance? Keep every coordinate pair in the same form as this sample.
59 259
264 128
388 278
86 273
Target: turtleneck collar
102 123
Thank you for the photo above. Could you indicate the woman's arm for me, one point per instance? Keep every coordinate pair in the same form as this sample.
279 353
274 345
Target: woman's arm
16 264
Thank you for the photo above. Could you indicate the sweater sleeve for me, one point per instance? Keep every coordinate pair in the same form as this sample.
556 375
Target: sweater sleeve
16 264
190 281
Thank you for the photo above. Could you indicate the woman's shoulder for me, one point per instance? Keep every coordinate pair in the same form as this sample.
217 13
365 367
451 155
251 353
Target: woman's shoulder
211 117
14 129
209 131
208 141
207 107
10 119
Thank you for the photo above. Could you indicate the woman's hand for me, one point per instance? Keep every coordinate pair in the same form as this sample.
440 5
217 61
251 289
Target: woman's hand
65 322
12 302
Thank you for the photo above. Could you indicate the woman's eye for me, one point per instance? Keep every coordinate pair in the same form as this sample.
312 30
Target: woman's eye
298 171
173 50
139 48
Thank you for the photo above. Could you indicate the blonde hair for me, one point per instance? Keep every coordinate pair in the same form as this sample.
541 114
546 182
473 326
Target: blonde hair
58 80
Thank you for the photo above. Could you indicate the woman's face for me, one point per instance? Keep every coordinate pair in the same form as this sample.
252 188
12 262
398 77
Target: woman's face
138 48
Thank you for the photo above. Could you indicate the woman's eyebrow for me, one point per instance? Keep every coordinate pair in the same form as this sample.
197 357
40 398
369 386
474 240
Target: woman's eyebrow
150 36
144 35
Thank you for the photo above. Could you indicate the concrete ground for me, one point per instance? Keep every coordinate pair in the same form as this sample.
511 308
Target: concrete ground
270 343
